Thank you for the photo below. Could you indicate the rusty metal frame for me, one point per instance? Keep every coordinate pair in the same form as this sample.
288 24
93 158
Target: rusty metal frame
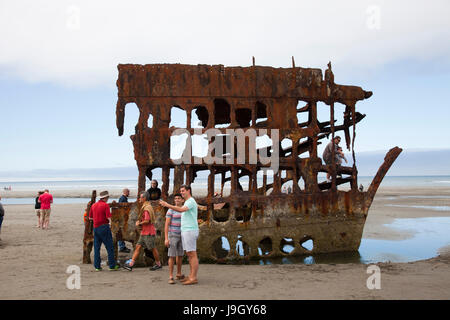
332 218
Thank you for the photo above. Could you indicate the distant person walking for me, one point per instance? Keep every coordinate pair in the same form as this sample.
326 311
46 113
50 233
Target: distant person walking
46 199
124 199
328 153
2 214
172 232
154 192
146 240
37 208
100 214
189 230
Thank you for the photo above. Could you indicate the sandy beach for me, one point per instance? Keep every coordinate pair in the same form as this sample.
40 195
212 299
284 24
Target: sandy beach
33 262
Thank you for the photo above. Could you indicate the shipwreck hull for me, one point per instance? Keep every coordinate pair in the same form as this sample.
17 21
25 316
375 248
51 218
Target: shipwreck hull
332 226
281 103
334 223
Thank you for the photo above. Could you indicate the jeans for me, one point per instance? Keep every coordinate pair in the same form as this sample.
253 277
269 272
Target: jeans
103 235
1 220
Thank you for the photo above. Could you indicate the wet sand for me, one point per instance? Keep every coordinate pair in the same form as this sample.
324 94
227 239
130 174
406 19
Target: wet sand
33 263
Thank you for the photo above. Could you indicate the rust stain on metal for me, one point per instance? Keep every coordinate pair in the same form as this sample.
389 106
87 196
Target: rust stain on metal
256 97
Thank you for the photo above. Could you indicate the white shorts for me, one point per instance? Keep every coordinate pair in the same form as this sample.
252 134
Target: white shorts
189 240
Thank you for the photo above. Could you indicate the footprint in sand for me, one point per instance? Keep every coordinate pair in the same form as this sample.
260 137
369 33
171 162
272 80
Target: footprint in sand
248 284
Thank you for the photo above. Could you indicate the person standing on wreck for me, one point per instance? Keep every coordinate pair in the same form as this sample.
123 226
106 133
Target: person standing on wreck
328 153
189 230
154 192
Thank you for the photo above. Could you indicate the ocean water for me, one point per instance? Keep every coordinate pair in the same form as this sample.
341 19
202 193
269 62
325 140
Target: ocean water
201 181
429 235
67 185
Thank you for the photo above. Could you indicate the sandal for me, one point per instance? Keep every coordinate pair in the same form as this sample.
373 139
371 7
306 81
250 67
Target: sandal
189 281
171 281
182 277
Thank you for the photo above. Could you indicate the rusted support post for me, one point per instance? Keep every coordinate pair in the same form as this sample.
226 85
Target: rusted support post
211 181
388 161
165 180
88 239
313 125
254 184
210 204
276 182
354 183
295 186
333 150
141 181
189 175
222 182
234 179
178 179
264 182
188 118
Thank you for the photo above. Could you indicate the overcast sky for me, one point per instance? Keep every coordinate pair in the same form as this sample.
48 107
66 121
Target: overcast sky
58 66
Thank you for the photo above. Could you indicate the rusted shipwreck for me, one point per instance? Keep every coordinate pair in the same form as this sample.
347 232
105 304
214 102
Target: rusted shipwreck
257 216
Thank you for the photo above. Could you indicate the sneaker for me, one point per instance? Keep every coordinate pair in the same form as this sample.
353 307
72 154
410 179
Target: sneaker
126 250
116 267
98 269
127 266
155 267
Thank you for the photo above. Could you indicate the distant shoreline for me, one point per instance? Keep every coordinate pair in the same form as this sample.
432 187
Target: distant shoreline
201 192
60 180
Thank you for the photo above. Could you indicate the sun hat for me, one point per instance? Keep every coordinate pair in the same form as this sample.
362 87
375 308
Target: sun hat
104 194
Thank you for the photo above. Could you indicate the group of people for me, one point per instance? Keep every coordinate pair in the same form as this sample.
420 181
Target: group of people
181 231
338 154
42 207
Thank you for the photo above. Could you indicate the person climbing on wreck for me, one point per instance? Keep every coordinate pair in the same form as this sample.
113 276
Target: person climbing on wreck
328 152
189 230
146 240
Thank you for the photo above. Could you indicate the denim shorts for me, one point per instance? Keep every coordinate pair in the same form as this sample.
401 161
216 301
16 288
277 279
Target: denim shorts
189 239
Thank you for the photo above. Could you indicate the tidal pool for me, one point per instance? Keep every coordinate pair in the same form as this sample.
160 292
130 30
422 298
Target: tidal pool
429 234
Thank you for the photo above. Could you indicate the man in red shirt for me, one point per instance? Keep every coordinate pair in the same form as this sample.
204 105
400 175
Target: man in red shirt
46 200
100 213
146 220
